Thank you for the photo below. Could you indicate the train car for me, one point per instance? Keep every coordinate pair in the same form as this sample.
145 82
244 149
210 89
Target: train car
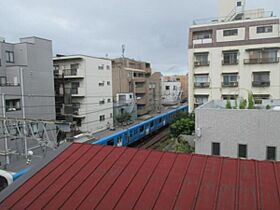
139 131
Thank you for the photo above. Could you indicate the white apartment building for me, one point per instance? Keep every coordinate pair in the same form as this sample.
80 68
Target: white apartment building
233 55
88 80
171 91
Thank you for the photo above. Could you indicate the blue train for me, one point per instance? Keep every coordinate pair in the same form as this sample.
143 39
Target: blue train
138 131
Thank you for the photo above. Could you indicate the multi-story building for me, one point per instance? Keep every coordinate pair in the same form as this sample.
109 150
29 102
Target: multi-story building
130 76
171 91
84 91
183 79
233 55
242 133
26 79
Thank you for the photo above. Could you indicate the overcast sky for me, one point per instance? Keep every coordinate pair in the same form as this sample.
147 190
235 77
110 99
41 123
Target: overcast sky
152 30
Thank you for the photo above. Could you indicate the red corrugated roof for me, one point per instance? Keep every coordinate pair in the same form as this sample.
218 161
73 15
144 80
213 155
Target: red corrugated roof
93 176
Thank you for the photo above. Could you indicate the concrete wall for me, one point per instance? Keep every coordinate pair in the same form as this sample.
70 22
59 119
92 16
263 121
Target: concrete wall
256 128
32 56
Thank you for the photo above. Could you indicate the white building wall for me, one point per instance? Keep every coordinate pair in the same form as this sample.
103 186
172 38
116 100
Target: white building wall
255 128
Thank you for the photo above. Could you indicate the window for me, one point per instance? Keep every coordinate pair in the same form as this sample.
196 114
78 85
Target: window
259 98
271 153
242 150
10 57
108 67
261 79
102 118
108 83
201 99
230 80
262 56
12 105
201 81
110 142
264 29
56 67
111 115
202 78
231 32
230 58
141 129
102 102
152 124
202 35
230 97
167 87
3 81
201 59
101 67
215 148
74 87
101 84
239 4
109 100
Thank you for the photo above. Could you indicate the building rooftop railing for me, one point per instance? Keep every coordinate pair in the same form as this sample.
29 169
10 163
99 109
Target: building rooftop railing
246 15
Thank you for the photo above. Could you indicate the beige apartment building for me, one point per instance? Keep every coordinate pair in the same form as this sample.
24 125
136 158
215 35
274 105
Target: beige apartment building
131 76
233 55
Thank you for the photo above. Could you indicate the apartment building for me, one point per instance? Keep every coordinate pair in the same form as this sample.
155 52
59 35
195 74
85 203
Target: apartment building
84 91
26 79
183 79
131 76
238 133
233 55
171 91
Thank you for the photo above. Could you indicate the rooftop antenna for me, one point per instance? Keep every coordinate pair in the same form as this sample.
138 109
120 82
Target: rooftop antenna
123 50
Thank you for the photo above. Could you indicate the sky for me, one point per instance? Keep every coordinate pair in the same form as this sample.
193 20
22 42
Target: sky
155 31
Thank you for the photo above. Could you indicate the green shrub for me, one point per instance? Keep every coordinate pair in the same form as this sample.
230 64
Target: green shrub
268 106
228 104
250 101
242 103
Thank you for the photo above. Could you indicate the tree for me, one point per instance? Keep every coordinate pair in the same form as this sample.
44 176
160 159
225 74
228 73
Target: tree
182 126
124 117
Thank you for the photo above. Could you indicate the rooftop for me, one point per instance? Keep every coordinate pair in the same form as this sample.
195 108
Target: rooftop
102 177
249 15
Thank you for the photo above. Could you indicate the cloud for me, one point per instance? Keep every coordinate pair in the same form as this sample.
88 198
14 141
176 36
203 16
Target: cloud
154 31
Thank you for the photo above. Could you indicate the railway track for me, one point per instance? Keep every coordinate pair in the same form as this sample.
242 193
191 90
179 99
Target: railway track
151 142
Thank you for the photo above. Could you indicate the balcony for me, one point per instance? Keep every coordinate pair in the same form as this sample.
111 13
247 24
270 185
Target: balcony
261 60
228 63
229 84
72 73
201 63
78 92
261 84
202 84
202 41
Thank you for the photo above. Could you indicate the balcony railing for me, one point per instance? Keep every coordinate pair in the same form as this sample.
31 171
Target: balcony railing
202 84
70 72
261 83
229 84
201 63
261 60
234 62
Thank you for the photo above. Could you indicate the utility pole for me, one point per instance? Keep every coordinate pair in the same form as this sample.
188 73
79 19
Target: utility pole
7 158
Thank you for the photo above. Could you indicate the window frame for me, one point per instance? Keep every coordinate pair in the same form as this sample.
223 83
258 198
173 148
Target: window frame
263 29
219 148
239 152
230 32
275 153
8 56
